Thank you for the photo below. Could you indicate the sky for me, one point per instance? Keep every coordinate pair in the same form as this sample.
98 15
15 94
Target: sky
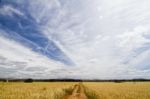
80 39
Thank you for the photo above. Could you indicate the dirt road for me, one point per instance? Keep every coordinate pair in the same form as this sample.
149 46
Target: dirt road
77 93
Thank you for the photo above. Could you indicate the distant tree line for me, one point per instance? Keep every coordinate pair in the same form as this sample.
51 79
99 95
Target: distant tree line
29 80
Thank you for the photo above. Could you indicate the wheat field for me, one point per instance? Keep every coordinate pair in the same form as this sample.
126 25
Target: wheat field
126 90
35 90
55 90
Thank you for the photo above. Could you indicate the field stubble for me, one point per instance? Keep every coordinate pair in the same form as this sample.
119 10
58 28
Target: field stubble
57 90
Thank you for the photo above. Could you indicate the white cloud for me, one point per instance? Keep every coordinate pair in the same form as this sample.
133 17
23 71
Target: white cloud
24 60
9 10
132 40
98 45
97 35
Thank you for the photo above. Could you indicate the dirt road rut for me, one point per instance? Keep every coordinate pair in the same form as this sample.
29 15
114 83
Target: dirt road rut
77 93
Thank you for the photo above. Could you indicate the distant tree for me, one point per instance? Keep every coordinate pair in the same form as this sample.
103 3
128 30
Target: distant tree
28 80
118 81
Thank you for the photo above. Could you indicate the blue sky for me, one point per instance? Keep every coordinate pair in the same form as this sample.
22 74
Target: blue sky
100 39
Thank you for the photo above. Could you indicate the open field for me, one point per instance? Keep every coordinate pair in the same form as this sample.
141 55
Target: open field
126 90
65 90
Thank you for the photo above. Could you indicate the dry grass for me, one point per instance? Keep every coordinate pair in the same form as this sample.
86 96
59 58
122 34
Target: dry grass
128 90
91 94
36 90
56 90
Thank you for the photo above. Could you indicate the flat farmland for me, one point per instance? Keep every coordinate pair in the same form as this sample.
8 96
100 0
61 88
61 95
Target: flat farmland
74 90
125 90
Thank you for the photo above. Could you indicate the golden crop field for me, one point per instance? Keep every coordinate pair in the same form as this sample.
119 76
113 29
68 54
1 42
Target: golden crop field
35 90
55 90
126 90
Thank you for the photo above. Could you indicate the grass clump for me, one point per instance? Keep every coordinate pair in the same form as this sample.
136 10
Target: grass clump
64 92
68 91
91 94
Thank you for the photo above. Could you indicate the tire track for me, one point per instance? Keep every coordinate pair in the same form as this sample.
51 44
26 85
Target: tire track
77 93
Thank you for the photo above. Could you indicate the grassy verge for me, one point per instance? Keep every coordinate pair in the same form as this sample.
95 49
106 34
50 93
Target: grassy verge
64 92
91 94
